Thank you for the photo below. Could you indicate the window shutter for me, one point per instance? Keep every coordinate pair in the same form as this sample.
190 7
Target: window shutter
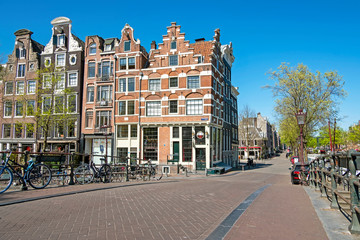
54 40
24 52
17 53
66 41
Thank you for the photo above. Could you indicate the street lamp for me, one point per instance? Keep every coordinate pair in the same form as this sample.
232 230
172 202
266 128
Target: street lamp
301 117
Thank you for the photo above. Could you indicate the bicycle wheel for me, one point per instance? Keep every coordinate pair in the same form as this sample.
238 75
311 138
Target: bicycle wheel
39 176
83 174
6 178
155 174
105 173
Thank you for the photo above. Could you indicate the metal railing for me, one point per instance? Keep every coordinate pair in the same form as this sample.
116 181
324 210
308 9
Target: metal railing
336 176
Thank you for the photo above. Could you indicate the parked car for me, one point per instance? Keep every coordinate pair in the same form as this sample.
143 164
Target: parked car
294 159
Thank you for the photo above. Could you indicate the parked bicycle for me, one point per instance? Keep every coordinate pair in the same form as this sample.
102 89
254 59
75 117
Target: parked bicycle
61 176
37 175
86 173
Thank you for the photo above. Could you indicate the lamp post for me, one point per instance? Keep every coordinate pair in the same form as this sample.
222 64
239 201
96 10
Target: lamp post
141 76
300 117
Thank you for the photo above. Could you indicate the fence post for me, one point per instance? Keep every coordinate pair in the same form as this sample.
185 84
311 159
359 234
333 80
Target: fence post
317 177
323 180
354 227
71 182
334 203
312 174
26 157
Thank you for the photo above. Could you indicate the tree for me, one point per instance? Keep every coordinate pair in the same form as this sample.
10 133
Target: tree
298 88
354 135
247 127
53 112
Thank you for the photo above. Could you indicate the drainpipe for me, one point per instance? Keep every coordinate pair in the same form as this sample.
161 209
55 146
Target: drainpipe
139 121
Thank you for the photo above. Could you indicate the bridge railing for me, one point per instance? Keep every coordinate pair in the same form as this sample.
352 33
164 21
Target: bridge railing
336 176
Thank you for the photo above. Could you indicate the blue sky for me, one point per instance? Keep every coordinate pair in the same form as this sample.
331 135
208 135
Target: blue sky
325 35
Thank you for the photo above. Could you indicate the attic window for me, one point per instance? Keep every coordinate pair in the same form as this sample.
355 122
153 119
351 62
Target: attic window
92 49
108 47
61 40
173 45
127 46
22 52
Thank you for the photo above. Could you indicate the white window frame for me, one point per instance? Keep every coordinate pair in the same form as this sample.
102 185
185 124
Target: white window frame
16 106
26 130
57 60
43 103
76 102
107 47
177 60
8 116
156 110
60 43
16 88
24 71
26 109
155 79
47 60
61 80
187 82
28 87
22 53
69 82
94 69
129 46
54 106
197 113
87 93
6 83
46 84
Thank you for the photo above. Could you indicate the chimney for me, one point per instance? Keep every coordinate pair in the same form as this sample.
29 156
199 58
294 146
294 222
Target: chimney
153 45
217 35
200 40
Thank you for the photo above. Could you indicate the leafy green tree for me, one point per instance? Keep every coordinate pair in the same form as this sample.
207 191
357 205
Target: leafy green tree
354 134
53 113
298 88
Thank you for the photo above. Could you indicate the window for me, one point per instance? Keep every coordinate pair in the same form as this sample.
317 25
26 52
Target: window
200 59
30 108
46 104
8 109
131 85
60 81
31 86
108 47
153 108
194 107
60 60
173 45
122 131
122 153
173 106
90 94
176 132
18 130
193 82
47 81
122 63
19 109
91 69
104 93
150 143
89 115
92 49
173 60
20 87
59 129
72 128
173 82
103 118
9 88
58 104
154 85
105 69
73 79
131 63
61 40
127 46
72 104
131 107
122 107
22 53
6 130
122 84
29 130
47 62
133 130
21 70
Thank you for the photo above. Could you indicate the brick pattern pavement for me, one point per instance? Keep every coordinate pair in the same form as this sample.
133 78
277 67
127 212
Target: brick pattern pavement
188 208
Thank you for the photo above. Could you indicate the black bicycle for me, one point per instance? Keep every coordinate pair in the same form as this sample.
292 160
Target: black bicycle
86 173
37 175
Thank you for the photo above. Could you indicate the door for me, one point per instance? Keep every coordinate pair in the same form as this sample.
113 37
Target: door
200 158
176 151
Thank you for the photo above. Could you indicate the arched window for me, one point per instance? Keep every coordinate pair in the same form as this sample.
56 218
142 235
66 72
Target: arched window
92 49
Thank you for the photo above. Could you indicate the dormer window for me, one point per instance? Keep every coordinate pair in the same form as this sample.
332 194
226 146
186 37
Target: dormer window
108 47
127 46
173 45
61 40
92 49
